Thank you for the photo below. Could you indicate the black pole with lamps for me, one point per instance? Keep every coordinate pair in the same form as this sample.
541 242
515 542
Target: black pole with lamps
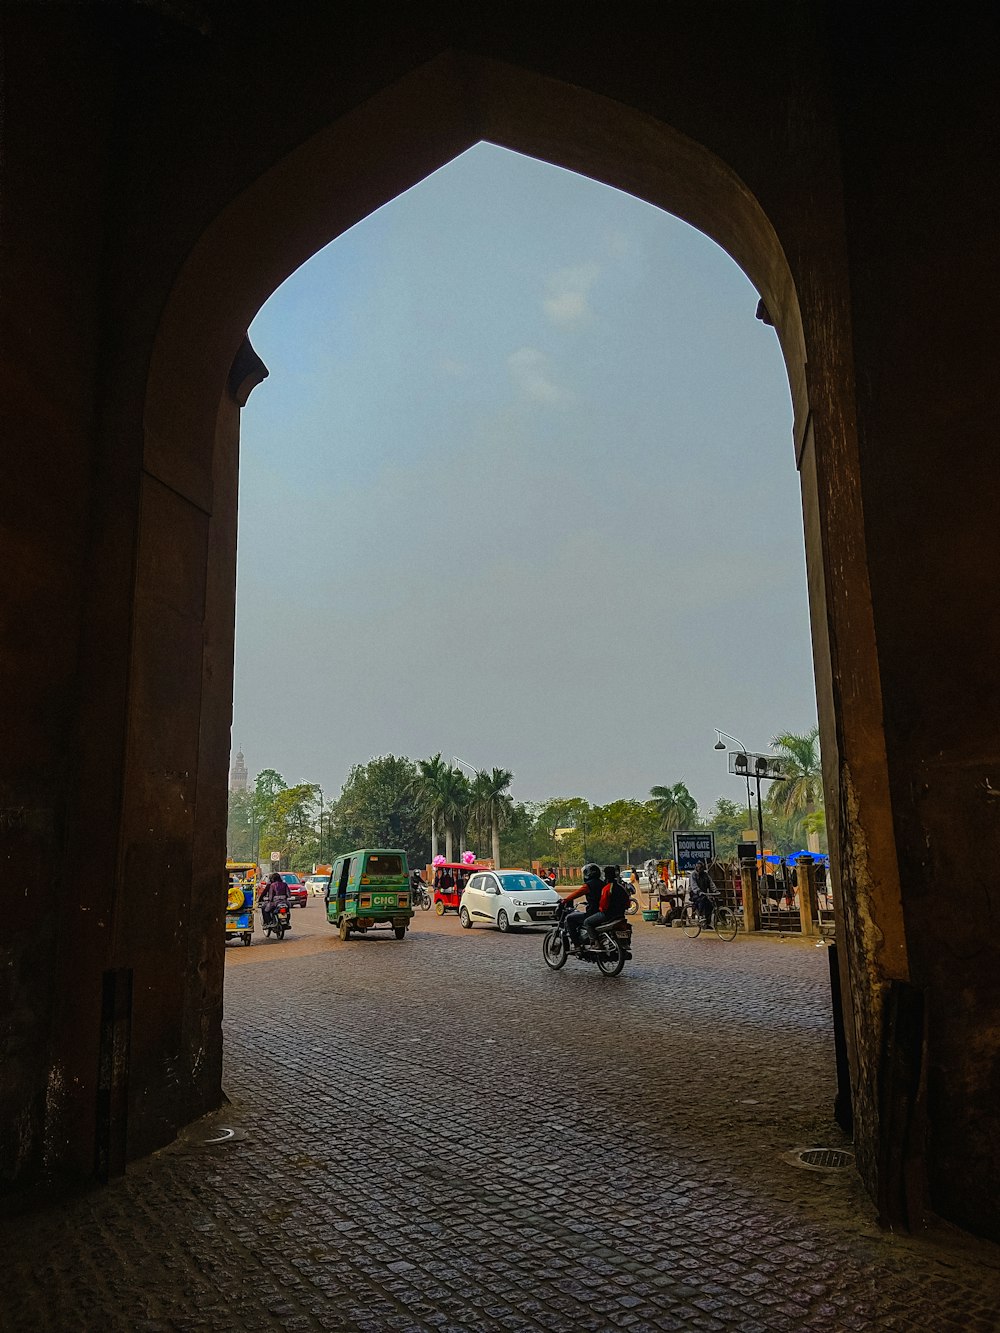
720 745
766 768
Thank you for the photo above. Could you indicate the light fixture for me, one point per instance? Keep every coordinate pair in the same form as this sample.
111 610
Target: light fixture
720 744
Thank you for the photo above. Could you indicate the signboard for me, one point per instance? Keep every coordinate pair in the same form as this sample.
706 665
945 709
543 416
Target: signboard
275 858
690 848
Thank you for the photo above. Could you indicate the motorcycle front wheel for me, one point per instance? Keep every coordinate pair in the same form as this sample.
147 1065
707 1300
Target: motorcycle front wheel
633 906
554 949
612 957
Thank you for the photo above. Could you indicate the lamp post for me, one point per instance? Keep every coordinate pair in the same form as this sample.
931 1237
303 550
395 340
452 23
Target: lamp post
319 857
765 769
719 745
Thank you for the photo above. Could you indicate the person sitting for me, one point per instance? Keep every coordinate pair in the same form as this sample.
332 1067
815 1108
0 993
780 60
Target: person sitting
612 903
593 884
275 891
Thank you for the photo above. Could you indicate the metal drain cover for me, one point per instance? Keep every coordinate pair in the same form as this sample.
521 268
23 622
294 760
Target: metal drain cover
824 1159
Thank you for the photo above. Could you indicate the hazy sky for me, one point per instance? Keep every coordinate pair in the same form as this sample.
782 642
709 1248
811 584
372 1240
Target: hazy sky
520 488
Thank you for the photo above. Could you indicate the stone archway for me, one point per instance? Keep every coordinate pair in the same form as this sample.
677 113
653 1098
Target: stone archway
202 370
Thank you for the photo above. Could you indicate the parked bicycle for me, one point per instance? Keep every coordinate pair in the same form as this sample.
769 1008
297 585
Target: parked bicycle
722 919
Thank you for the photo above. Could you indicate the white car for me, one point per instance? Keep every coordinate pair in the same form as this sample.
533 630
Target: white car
507 899
316 885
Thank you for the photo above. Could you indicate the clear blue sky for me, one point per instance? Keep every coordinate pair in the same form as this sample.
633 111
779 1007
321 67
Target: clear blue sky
520 488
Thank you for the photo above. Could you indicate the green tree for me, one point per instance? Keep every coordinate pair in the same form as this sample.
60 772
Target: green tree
429 785
802 792
625 825
675 806
240 843
455 798
783 834
378 807
290 825
519 836
491 801
728 820
563 812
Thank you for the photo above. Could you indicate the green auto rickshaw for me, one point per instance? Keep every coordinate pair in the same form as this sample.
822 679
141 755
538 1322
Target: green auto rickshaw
369 888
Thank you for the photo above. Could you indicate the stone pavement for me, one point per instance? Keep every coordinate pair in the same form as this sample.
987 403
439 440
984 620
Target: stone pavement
444 1106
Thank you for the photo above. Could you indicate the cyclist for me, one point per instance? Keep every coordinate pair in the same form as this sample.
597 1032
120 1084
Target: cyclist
700 889
593 884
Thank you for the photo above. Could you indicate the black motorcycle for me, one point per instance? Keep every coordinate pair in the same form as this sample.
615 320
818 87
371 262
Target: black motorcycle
610 948
276 920
420 895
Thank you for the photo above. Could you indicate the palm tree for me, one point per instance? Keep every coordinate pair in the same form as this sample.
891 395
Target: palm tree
675 806
427 787
491 801
802 792
453 792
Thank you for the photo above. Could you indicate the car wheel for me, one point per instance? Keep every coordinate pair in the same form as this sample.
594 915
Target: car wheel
345 930
466 920
503 922
399 932
439 907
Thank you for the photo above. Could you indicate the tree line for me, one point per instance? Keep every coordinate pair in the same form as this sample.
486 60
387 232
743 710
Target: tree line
428 806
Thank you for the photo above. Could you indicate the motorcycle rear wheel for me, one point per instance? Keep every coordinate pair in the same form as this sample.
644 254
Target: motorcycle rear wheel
554 949
612 957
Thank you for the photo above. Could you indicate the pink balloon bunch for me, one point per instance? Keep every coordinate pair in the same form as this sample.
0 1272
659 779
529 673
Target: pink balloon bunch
469 858
438 860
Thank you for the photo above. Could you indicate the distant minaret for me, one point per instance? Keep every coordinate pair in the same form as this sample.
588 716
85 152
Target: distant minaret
238 774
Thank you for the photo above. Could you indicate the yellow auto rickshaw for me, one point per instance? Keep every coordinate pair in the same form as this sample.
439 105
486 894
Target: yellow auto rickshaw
241 899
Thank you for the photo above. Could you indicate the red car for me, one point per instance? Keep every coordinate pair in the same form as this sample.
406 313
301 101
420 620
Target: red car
298 891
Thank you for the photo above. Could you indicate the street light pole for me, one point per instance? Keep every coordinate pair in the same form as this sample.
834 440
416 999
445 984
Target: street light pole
743 749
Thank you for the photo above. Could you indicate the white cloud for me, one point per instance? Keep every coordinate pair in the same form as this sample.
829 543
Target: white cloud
566 303
529 369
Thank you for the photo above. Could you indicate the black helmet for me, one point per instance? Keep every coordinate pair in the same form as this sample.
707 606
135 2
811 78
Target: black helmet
592 873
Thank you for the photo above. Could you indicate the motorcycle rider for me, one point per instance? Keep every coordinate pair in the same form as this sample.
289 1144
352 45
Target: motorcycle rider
275 891
593 884
611 904
418 887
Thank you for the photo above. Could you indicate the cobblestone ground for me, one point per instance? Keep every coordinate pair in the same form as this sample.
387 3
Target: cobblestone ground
444 1103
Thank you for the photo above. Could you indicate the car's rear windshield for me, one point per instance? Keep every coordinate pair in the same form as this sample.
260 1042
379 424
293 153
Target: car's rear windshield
384 865
522 884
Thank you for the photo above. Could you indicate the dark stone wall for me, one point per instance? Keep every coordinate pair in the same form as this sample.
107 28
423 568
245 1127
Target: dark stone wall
917 106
